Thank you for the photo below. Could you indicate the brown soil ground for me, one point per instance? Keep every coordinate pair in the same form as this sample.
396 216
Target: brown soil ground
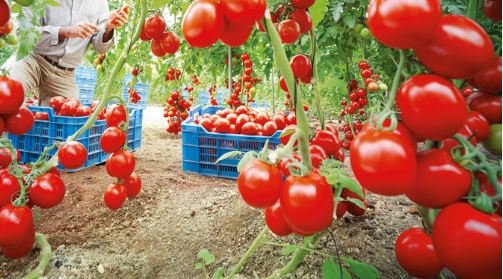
159 234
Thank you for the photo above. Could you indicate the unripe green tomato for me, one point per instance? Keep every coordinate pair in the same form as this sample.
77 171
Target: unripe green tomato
2 43
383 87
24 3
99 68
493 143
358 28
365 33
11 39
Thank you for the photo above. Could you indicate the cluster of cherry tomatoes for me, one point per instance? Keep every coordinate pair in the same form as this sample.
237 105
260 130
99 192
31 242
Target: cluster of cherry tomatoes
371 79
134 97
5 35
246 81
230 21
98 62
294 20
302 71
245 121
173 74
176 111
388 162
163 42
212 92
14 118
70 107
195 80
121 163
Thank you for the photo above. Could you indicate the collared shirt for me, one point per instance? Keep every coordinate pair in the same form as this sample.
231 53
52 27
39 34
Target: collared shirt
70 52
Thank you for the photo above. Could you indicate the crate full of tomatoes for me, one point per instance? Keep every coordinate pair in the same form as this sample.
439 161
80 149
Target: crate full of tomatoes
209 133
63 118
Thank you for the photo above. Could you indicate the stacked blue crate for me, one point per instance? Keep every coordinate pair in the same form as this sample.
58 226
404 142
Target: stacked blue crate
85 78
140 87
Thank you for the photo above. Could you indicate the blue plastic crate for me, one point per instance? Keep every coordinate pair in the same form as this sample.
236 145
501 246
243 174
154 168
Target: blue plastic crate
201 149
140 87
58 128
86 73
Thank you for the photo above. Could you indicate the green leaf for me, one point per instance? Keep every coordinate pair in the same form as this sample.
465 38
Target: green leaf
288 250
318 11
330 270
198 266
356 202
218 274
207 257
349 20
287 133
228 155
337 12
362 270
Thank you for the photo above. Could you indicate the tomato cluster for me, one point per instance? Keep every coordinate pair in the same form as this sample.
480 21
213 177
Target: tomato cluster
6 37
70 107
4 12
121 163
176 111
230 21
162 42
173 74
98 62
14 118
294 20
212 91
134 97
245 85
245 121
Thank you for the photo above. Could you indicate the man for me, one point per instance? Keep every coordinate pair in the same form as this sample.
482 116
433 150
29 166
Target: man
66 32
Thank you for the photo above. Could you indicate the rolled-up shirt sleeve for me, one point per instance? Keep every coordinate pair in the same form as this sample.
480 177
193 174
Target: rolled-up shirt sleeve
99 45
51 33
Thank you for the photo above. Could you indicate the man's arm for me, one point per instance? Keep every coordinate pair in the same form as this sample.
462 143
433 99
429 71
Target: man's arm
103 40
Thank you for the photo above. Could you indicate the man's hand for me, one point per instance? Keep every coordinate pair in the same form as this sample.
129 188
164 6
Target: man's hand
80 30
117 19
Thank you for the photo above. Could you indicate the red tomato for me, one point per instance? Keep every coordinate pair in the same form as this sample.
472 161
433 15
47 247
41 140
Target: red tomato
383 162
112 139
232 117
121 164
302 4
282 84
280 121
157 49
234 34
9 187
41 116
20 122
241 120
82 111
436 171
460 48
289 31
4 12
243 12
404 23
47 191
328 141
262 118
415 252
207 124
21 250
275 220
2 125
203 23
270 128
489 106
72 155
301 66
289 129
154 27
57 102
468 241
5 158
133 185
466 132
115 196
222 125
250 129
318 155
489 79
479 125
304 20
242 110
431 107
115 116
69 107
15 225
307 203
291 119
354 209
11 94
170 42
492 9
143 35
260 184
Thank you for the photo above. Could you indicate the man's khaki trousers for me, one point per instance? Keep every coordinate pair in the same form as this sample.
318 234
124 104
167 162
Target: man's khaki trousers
34 72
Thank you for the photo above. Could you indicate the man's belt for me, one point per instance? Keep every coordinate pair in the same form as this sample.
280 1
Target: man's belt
54 63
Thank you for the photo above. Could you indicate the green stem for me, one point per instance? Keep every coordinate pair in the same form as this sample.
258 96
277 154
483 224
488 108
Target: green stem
229 64
298 247
396 82
298 257
287 73
471 11
316 86
256 243
45 257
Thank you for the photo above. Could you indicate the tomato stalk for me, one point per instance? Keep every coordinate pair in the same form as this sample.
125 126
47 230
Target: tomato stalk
285 69
388 109
45 257
471 11
16 171
316 86
255 245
